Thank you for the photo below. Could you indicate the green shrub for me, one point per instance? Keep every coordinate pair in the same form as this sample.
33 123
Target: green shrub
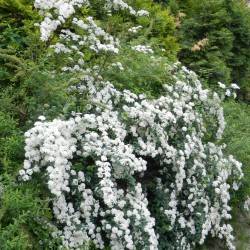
24 212
215 40
237 137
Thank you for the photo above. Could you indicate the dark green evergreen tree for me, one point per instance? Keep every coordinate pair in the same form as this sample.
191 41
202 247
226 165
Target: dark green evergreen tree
215 40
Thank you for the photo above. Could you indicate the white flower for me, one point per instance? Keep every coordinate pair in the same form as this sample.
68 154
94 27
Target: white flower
142 13
234 86
143 49
118 65
66 10
42 118
247 204
221 85
135 29
235 186
228 92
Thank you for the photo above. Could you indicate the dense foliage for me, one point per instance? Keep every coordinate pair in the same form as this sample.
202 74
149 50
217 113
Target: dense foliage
215 40
131 193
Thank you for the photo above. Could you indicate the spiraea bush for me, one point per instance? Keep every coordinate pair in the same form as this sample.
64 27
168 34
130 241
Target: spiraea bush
126 169
129 178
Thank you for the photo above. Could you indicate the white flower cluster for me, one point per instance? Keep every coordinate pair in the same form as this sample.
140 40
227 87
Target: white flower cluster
94 38
97 165
143 49
142 13
135 29
229 91
56 12
118 65
85 36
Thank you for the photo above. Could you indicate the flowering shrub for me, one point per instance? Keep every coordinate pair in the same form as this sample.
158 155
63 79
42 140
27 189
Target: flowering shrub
64 9
131 172
129 163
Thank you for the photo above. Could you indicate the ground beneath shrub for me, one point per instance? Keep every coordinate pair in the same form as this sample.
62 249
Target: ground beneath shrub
241 226
242 231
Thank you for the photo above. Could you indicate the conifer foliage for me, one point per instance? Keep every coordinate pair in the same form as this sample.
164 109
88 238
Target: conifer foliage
224 25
